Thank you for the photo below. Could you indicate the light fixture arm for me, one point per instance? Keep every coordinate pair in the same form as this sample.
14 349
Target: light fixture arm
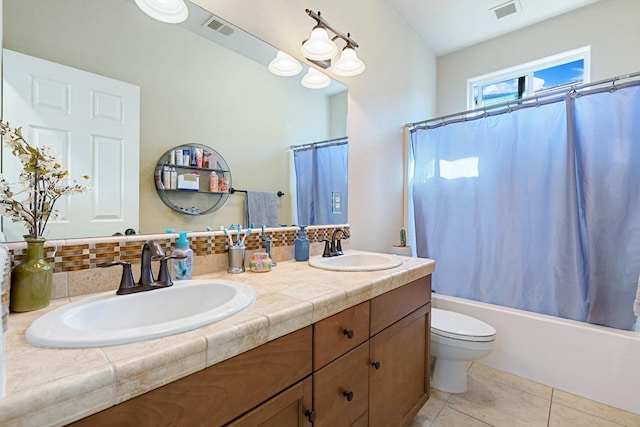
321 21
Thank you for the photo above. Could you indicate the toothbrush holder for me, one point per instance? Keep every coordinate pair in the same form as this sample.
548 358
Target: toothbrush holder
236 259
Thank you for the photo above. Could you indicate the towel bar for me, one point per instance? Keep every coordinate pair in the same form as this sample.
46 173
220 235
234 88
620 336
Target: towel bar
234 190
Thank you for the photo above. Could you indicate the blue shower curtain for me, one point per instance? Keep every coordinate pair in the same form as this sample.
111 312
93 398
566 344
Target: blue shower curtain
536 209
321 176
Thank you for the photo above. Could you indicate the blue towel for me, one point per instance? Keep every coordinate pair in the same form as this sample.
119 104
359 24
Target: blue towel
261 208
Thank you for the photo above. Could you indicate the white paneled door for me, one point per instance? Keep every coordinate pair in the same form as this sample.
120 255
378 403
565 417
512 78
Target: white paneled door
94 124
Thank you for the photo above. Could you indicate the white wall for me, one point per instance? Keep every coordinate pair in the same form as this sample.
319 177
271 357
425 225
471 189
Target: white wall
610 27
192 90
397 87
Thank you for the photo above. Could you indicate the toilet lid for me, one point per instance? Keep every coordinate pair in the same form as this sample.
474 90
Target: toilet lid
460 326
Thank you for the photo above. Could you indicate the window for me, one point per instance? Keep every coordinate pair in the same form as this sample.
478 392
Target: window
530 79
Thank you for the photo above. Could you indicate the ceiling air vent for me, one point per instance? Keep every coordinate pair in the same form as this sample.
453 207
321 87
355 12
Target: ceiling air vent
220 27
505 9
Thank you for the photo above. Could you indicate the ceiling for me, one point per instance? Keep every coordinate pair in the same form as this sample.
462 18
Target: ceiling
450 25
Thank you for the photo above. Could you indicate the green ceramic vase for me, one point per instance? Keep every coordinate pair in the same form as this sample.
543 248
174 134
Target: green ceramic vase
31 280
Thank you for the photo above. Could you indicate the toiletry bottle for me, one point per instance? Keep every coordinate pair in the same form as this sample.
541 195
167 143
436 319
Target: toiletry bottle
301 245
166 177
183 268
193 156
173 175
213 182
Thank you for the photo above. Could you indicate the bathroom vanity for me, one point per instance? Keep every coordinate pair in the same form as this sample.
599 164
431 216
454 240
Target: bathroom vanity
321 347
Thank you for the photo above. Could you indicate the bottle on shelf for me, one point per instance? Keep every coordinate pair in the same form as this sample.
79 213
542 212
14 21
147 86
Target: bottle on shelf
223 184
173 175
166 177
213 182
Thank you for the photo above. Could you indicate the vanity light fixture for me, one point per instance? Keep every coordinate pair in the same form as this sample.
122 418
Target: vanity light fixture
349 64
320 49
314 79
285 65
319 46
169 11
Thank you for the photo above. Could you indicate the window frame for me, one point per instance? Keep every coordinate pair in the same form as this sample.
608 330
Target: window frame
526 70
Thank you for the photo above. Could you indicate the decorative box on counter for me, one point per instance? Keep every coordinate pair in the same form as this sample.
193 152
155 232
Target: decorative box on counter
189 181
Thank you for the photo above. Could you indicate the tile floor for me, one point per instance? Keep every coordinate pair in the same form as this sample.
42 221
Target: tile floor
496 398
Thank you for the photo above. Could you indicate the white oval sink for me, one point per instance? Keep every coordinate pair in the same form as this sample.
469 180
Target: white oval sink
119 319
356 261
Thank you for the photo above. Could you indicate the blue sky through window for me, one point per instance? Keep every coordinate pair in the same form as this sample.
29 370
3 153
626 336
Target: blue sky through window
560 75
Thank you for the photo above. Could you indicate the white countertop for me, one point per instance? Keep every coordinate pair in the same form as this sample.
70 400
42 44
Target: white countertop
57 386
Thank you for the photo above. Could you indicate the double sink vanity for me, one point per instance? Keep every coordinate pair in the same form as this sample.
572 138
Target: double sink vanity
335 341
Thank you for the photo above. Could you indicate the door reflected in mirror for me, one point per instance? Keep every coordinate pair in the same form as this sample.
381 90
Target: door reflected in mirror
192 90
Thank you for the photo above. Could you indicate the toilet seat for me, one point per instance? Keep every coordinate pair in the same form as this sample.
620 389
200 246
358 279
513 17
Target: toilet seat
459 326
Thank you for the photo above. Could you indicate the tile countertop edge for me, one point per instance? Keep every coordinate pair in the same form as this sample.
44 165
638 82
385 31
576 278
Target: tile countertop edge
20 407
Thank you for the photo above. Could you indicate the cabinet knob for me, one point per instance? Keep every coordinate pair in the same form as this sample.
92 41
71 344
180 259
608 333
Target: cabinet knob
376 364
311 415
348 395
348 333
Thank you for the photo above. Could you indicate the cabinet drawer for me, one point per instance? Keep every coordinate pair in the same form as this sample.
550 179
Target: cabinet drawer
341 389
340 333
220 393
392 306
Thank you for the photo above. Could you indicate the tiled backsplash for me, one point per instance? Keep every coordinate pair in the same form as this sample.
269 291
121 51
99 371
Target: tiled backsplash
75 261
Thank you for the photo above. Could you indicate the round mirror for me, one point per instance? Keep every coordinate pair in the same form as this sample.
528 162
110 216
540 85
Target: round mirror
193 179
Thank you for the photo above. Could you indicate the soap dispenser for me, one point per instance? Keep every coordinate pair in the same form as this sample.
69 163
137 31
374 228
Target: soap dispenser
301 245
183 267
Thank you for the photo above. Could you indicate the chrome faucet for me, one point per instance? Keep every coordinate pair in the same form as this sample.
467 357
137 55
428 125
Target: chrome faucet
334 247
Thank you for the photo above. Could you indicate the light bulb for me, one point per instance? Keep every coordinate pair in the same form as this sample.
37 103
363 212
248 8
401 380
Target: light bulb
314 79
319 46
284 65
349 64
169 11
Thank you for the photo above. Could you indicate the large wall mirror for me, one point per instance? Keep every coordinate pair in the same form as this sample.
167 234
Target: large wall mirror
202 82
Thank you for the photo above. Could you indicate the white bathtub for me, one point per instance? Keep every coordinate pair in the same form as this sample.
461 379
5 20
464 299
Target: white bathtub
595 362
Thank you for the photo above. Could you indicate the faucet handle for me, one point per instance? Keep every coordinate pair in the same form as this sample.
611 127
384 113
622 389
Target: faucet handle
127 283
164 278
327 248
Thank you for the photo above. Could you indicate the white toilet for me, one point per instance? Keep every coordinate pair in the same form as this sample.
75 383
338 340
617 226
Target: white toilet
455 340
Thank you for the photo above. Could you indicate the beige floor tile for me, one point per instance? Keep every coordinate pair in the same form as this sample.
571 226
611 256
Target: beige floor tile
498 404
597 409
449 417
563 416
429 411
439 394
515 381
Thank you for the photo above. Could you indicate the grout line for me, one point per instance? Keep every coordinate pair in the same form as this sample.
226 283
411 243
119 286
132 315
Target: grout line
553 390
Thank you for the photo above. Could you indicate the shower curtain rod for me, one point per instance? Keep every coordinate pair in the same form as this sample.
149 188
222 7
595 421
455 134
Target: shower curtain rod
518 102
335 141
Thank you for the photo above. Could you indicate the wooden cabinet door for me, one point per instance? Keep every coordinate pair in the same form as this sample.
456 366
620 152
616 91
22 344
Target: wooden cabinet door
399 371
288 409
341 389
